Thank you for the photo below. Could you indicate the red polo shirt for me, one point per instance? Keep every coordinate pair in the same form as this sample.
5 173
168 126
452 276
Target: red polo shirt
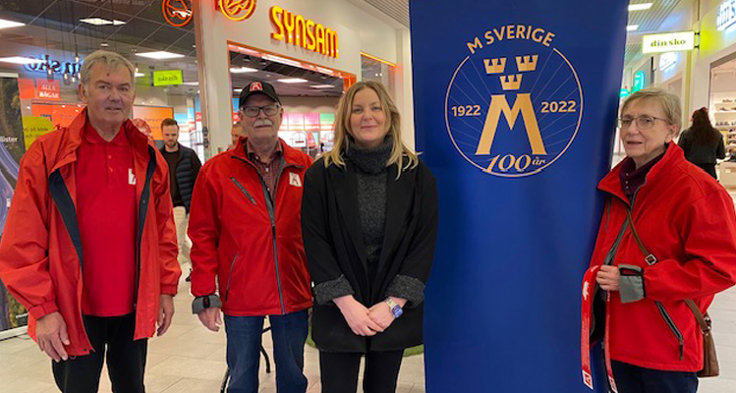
106 209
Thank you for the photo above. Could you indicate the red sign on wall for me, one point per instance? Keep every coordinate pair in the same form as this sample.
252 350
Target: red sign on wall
48 90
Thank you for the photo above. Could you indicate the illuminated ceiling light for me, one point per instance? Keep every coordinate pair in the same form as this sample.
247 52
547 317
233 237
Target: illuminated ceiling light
282 60
293 80
102 22
190 83
640 6
242 70
237 90
139 74
632 27
323 86
160 55
104 44
21 60
4 24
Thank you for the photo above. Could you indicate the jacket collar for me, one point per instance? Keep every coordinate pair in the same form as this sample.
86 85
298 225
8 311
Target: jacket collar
74 134
611 183
399 198
291 156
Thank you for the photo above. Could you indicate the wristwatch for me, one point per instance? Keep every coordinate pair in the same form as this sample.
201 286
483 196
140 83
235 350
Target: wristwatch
395 308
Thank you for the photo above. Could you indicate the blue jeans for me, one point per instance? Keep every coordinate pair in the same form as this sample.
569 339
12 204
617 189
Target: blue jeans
289 332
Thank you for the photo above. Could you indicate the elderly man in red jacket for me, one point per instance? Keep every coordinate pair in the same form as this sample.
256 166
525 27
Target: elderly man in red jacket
247 246
89 246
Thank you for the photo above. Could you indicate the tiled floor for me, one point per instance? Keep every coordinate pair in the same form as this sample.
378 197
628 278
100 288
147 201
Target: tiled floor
187 359
190 359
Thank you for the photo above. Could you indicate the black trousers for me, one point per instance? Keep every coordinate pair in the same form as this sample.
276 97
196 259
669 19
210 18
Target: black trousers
126 358
634 379
339 371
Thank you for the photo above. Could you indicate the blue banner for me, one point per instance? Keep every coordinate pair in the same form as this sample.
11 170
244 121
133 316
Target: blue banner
515 108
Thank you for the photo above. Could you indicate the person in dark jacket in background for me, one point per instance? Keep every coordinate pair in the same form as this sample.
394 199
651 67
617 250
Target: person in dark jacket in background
702 143
369 222
184 167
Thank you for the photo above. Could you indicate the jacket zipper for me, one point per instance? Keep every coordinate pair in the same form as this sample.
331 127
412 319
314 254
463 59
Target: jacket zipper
666 316
662 311
240 186
272 215
230 276
142 214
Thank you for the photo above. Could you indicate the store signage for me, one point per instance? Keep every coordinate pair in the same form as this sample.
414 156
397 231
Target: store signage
669 42
177 13
726 14
624 93
57 66
236 10
167 78
295 29
48 90
667 61
639 81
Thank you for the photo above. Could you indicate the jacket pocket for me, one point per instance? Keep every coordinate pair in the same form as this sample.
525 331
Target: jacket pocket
243 190
230 276
671 324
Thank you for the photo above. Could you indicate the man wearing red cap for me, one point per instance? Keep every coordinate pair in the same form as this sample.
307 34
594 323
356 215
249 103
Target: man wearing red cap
247 254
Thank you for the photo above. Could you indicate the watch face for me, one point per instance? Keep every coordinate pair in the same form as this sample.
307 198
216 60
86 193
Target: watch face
397 311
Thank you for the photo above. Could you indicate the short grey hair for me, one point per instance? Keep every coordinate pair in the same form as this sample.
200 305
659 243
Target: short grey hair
110 60
669 102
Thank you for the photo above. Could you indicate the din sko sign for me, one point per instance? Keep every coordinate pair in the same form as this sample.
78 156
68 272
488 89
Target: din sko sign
668 42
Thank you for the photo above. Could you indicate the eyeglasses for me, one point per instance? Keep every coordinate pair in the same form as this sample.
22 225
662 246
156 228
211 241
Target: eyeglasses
642 122
269 110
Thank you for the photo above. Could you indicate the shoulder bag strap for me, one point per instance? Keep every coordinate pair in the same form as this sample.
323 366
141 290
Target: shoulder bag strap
651 260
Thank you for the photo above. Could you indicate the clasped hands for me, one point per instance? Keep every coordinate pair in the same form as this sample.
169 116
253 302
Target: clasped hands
365 321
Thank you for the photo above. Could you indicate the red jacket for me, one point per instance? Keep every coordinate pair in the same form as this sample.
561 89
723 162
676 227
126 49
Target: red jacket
255 252
41 257
685 219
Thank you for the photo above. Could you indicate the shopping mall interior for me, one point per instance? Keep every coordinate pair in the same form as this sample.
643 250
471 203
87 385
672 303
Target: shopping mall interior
181 53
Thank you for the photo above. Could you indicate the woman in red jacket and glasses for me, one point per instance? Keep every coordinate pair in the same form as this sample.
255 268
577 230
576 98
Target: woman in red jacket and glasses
686 250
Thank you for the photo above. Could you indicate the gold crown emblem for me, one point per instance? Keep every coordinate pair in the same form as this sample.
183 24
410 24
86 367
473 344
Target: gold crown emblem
495 66
526 63
511 82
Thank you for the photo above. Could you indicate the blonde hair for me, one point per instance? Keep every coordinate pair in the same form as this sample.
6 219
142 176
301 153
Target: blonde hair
342 129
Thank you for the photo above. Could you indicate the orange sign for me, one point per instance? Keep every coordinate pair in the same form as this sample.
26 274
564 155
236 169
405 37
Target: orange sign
296 30
59 114
153 115
48 90
177 12
237 9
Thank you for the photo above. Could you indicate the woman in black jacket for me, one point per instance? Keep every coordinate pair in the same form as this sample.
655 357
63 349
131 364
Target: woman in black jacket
369 222
702 143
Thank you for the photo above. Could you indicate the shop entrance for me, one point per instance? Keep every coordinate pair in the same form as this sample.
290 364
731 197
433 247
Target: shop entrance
309 94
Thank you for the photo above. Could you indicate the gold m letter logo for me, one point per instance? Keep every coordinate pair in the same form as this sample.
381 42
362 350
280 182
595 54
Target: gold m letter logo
499 105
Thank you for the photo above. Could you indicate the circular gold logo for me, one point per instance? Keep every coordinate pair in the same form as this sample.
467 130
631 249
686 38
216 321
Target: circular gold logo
514 105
